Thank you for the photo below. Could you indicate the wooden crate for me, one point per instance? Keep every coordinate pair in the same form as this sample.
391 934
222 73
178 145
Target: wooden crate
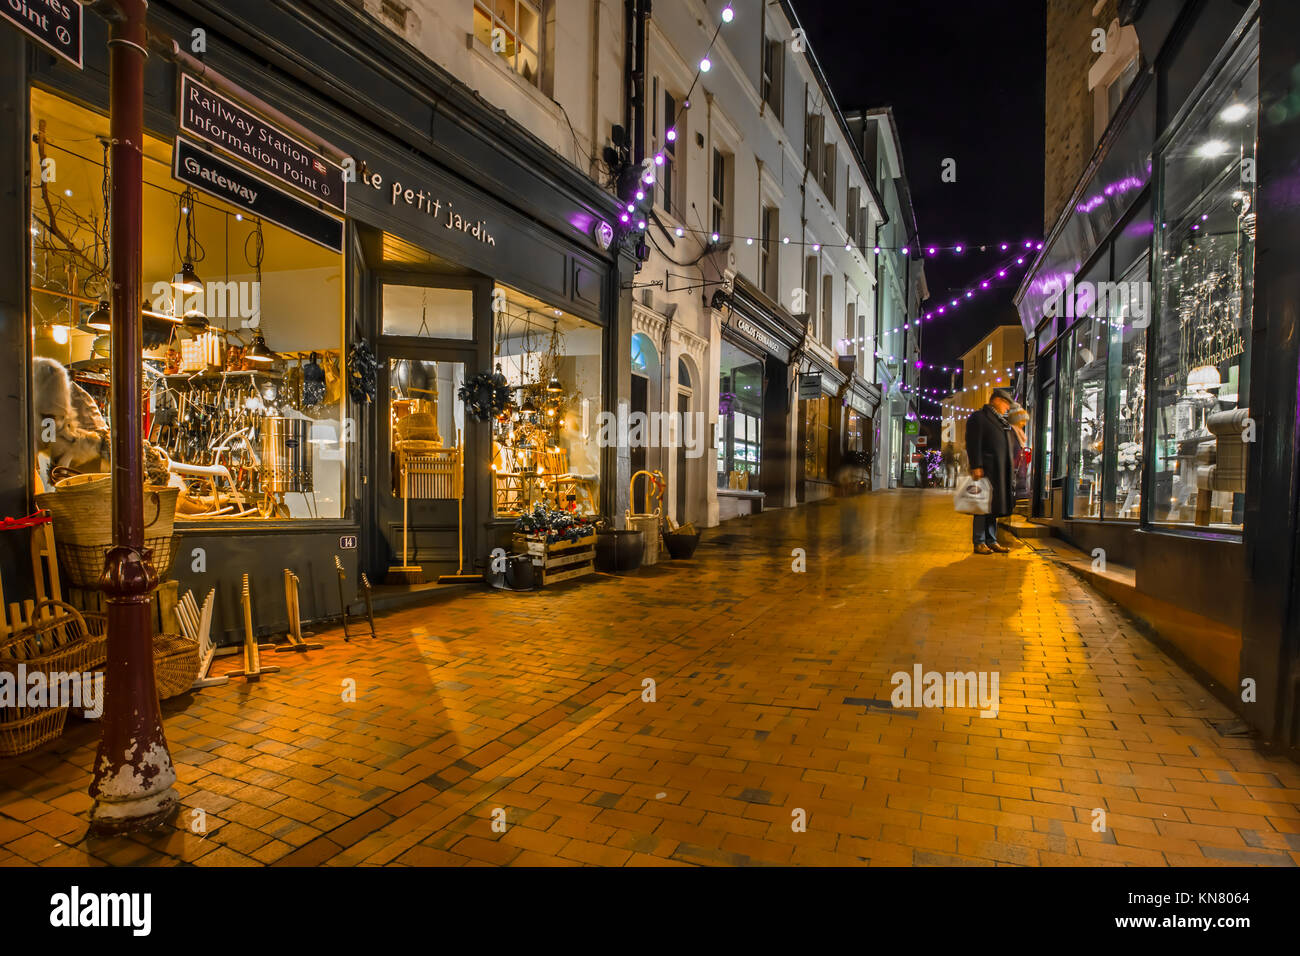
558 561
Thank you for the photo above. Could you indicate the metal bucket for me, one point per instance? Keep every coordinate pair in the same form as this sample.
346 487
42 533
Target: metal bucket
650 525
286 455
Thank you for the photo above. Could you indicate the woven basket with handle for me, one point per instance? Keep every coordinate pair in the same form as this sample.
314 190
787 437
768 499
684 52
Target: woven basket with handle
175 664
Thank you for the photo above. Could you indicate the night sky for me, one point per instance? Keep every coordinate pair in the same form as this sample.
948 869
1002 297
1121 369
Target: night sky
965 81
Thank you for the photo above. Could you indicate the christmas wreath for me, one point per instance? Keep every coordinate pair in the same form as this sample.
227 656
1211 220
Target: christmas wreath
554 525
362 372
486 395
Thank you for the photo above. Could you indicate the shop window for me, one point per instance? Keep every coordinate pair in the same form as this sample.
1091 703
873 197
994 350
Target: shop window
546 446
243 336
428 313
1048 444
1067 432
512 30
1204 268
1088 416
1126 401
817 431
740 418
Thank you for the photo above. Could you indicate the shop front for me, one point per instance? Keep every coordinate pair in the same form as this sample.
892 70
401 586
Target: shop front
821 423
331 295
1159 425
860 404
753 439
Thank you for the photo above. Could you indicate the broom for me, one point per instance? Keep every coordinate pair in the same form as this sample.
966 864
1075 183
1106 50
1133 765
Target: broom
405 573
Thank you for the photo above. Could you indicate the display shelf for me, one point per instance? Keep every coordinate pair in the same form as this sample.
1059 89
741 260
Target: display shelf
216 375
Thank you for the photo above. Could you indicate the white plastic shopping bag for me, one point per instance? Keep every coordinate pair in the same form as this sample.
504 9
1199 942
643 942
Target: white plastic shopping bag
974 496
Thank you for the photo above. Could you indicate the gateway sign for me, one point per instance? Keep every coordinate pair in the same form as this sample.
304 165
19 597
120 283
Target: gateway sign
232 184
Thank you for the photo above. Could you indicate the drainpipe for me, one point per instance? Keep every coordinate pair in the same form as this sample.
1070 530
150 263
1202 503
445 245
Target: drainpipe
133 774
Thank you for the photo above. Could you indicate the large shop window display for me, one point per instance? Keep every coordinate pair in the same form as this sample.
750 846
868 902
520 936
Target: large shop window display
546 442
1126 403
243 332
1204 270
740 418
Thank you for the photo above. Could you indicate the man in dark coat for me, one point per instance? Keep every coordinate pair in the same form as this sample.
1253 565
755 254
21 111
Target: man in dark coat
989 450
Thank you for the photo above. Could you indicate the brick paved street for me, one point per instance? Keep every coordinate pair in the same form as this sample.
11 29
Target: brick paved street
771 694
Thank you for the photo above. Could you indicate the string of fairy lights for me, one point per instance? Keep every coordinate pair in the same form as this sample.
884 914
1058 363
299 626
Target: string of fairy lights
1021 250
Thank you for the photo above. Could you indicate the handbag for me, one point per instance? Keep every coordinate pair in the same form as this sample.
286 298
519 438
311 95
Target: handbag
974 496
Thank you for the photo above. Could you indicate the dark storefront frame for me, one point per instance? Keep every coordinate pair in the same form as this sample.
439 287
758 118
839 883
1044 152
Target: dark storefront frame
544 242
1244 579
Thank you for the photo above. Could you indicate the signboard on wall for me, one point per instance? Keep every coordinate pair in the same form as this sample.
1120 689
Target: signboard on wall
769 342
810 385
242 189
214 118
54 24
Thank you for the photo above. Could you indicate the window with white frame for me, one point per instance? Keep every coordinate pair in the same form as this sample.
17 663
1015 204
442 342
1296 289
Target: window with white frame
828 297
670 118
720 217
512 29
771 83
769 251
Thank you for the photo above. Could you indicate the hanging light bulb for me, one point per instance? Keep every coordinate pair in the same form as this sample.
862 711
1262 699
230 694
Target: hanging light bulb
554 386
97 321
187 280
259 351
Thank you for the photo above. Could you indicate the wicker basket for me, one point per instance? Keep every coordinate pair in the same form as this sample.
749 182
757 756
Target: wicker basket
28 732
175 664
418 426
82 507
97 629
83 563
57 642
53 643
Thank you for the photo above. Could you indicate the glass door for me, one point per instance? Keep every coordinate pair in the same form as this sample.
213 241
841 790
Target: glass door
423 474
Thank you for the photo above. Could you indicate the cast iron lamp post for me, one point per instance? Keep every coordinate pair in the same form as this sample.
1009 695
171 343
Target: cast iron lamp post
133 774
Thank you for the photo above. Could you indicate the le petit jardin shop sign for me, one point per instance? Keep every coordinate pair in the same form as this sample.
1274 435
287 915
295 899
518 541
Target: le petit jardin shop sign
429 203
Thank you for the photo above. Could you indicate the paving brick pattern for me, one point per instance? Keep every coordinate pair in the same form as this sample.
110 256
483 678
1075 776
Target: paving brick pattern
770 707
